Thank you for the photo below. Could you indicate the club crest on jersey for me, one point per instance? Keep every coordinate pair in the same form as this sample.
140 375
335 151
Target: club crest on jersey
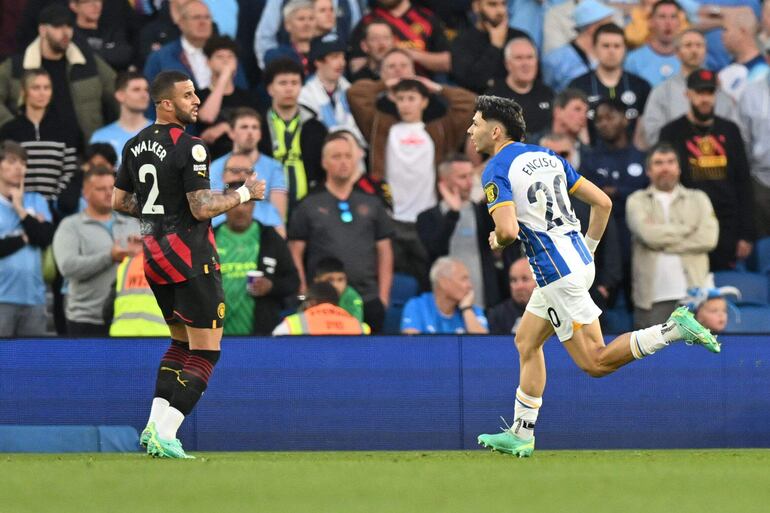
492 192
199 153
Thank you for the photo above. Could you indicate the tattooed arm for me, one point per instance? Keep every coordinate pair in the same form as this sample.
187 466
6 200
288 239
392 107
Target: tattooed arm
206 204
126 203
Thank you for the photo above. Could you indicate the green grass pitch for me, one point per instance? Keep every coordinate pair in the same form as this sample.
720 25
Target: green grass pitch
723 481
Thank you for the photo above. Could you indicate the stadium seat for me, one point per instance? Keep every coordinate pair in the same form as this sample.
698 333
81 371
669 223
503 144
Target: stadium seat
404 287
759 260
748 319
753 286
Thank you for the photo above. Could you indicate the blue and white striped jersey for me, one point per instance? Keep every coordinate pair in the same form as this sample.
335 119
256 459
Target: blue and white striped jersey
537 182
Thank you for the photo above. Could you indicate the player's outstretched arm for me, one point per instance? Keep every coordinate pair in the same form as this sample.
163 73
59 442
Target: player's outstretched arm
126 203
206 204
601 207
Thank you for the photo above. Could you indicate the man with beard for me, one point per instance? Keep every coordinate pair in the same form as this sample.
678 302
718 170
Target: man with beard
667 100
82 82
713 159
164 181
416 29
477 52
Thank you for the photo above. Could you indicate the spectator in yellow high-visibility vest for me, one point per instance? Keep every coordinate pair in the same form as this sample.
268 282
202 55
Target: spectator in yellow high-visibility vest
320 315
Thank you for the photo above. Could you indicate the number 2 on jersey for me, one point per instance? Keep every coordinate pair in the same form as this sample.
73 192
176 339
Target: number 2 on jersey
150 207
549 194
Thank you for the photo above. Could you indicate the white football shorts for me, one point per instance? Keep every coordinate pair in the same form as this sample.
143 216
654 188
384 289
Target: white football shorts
566 302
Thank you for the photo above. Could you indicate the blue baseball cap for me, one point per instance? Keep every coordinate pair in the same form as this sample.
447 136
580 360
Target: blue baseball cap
588 12
696 296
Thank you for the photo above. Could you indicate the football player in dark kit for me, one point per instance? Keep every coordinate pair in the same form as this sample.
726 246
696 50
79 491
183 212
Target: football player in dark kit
164 181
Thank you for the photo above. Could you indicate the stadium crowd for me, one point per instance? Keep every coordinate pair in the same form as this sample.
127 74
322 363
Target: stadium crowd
383 227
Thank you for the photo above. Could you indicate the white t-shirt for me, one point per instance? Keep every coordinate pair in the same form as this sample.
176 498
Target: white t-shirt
198 63
410 169
670 282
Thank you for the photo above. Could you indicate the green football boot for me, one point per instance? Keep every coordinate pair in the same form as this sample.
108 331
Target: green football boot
146 435
172 449
692 331
508 443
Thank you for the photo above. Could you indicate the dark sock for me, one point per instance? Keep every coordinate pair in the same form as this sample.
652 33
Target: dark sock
193 380
171 366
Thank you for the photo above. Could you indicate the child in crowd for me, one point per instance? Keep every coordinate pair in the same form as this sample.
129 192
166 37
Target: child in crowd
710 306
331 270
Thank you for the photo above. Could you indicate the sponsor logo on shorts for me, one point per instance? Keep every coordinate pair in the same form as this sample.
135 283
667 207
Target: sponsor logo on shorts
221 310
492 192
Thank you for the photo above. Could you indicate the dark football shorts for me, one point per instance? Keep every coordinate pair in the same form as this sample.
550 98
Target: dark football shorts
198 302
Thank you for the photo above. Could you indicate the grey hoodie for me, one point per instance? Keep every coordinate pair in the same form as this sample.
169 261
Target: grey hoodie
81 248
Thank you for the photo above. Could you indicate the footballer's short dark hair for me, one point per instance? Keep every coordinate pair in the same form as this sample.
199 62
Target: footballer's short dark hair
505 111
162 87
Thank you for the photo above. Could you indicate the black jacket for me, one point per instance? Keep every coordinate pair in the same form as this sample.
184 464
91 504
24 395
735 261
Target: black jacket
436 228
476 63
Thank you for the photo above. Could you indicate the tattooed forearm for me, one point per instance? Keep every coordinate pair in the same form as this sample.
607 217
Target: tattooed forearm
205 203
127 204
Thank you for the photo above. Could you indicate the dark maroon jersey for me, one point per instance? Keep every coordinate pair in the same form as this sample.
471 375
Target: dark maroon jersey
161 165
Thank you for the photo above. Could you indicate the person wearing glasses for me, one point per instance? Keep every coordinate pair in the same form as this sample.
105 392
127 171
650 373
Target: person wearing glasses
257 270
341 221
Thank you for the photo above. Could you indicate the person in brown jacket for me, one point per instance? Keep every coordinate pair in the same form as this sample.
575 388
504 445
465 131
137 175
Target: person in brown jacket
411 123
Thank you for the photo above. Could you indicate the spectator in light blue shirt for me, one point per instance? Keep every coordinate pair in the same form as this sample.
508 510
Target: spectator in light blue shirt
25 230
657 60
449 308
133 95
246 131
570 61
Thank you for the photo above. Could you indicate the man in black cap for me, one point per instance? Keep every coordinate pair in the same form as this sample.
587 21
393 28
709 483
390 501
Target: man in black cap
713 159
82 82
325 90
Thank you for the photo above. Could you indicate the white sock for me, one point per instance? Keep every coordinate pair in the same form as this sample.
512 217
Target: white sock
170 423
648 340
157 410
525 414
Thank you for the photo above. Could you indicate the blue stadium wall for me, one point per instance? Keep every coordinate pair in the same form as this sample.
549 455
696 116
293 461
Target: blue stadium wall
400 393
